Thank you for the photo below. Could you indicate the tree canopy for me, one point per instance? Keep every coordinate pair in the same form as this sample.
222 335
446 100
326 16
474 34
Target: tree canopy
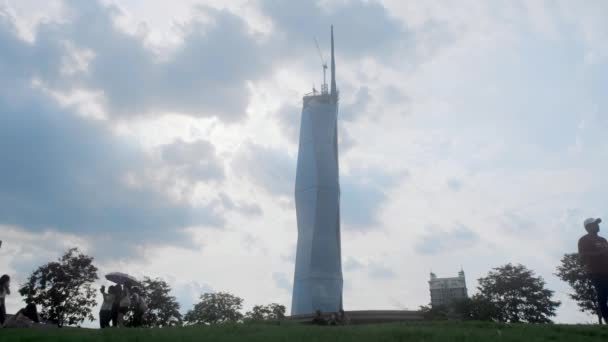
163 309
517 295
63 289
214 308
573 272
268 312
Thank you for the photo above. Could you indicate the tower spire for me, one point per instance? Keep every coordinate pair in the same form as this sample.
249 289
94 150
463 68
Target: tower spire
333 65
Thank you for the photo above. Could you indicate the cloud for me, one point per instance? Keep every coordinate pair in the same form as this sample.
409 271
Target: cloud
363 28
454 184
204 76
196 161
288 117
269 168
53 160
437 241
281 281
380 271
244 208
363 193
352 264
351 111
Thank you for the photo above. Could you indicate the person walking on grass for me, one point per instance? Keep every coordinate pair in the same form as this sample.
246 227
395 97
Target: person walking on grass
593 253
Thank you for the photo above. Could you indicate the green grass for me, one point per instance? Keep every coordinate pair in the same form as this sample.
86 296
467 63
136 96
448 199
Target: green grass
425 331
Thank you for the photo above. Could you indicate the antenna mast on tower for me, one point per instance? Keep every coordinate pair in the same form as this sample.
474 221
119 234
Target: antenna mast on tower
324 85
334 90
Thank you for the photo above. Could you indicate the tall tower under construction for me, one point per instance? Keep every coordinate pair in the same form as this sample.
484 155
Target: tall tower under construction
318 271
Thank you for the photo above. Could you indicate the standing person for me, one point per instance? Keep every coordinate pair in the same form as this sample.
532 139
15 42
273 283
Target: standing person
116 291
139 306
593 253
5 282
105 313
123 305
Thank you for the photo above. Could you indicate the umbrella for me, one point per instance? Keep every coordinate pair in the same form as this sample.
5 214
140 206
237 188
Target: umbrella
122 278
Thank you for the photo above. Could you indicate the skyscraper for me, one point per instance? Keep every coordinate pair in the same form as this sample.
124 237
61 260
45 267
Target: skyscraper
318 270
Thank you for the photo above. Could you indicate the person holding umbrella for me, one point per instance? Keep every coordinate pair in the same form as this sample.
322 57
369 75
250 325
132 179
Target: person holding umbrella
123 305
122 301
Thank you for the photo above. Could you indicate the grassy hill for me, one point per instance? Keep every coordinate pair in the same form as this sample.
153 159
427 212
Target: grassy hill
422 331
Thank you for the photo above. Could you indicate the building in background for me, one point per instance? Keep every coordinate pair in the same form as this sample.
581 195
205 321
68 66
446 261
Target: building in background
318 280
446 290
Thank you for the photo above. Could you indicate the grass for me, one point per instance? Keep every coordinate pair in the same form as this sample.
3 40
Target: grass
423 331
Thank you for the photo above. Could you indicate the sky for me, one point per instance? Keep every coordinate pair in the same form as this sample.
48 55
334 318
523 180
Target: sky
162 139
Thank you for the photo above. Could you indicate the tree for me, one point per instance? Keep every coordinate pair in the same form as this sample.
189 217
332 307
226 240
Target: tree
63 289
573 272
475 308
516 295
163 309
270 312
216 308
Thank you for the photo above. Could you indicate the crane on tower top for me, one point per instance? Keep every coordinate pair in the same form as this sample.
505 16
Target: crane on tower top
324 89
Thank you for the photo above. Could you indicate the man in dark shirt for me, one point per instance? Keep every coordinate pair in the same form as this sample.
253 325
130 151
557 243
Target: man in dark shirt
593 251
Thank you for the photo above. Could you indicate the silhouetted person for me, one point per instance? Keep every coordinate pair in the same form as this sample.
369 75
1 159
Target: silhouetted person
318 319
116 291
123 305
105 312
593 253
5 283
139 307
24 318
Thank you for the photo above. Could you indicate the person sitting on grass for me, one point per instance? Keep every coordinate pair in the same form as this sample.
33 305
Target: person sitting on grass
24 318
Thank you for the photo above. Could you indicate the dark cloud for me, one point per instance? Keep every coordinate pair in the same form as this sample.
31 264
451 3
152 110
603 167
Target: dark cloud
437 241
205 76
60 171
67 173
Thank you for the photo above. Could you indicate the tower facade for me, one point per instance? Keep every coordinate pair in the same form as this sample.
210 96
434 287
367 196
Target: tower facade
318 271
446 290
